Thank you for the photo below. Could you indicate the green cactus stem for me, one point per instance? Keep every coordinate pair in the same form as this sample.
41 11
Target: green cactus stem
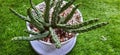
19 15
34 37
69 17
77 25
66 6
56 12
47 10
38 12
82 30
34 21
55 38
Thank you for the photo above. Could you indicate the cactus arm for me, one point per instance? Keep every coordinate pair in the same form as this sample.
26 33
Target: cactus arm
47 10
41 27
19 15
55 38
31 32
39 13
81 30
46 24
34 37
56 12
78 25
21 38
34 21
66 5
64 26
71 14
36 10
54 17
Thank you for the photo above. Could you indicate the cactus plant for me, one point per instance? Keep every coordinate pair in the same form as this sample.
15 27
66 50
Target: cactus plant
41 20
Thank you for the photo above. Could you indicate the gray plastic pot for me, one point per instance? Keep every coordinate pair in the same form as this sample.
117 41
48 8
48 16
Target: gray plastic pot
44 48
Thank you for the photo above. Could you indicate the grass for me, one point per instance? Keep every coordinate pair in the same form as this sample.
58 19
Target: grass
103 41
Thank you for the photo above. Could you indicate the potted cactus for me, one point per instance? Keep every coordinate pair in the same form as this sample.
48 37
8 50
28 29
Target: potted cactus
53 26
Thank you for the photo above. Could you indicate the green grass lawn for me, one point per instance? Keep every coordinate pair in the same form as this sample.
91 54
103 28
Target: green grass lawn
90 43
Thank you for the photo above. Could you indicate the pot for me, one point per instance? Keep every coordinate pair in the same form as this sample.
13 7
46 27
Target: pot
45 48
